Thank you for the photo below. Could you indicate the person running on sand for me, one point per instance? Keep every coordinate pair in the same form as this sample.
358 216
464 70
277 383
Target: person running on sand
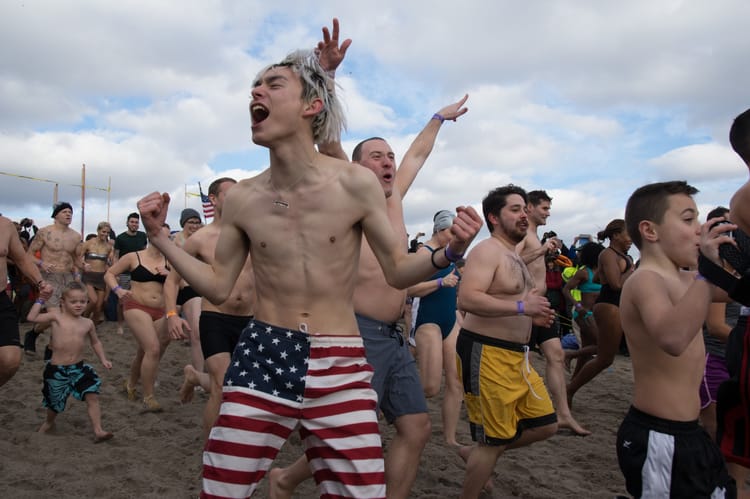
395 377
309 214
547 338
615 266
57 245
66 373
143 307
96 255
506 401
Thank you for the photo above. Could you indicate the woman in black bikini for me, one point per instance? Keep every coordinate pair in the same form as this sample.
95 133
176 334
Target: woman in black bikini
615 266
143 308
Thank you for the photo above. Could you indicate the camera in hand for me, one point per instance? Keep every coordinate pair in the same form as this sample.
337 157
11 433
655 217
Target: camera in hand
737 256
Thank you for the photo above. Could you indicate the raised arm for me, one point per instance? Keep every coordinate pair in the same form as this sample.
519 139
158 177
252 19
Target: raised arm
215 281
672 327
330 56
421 148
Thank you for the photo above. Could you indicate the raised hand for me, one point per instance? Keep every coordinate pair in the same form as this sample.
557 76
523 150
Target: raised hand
453 111
153 209
465 227
330 53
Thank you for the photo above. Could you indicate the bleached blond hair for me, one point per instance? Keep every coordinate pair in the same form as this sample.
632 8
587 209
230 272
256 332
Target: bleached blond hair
328 124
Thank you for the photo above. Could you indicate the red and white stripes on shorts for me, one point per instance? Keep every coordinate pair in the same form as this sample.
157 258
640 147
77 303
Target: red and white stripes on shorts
280 380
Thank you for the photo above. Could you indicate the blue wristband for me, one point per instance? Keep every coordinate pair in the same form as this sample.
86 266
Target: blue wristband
438 117
519 307
440 282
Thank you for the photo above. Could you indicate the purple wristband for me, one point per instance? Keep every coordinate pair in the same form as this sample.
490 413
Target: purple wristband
438 117
519 307
440 282
452 257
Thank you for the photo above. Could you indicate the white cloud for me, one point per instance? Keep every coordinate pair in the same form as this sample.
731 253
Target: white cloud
587 99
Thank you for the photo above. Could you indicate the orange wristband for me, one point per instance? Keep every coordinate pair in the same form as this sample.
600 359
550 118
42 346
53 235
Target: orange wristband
171 313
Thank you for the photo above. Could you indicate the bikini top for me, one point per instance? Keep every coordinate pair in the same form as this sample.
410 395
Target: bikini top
95 256
142 274
590 286
628 262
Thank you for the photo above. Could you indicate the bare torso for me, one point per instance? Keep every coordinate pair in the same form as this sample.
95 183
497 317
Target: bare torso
304 255
664 385
58 246
68 340
373 297
150 294
511 281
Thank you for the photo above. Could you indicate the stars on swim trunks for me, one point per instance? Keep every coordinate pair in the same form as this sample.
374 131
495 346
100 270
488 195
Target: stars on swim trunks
271 361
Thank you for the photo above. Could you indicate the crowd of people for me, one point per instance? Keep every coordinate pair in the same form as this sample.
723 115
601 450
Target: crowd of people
297 317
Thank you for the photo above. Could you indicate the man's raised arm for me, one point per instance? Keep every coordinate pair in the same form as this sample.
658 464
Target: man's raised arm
212 282
421 148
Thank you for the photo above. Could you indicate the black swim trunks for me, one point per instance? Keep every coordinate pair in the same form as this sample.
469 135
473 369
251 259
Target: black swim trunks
221 332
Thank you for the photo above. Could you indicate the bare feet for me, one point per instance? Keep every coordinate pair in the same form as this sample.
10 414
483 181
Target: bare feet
572 425
191 380
464 451
103 437
46 426
276 487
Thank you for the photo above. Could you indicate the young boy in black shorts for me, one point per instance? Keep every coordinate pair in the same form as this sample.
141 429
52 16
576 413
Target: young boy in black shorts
661 448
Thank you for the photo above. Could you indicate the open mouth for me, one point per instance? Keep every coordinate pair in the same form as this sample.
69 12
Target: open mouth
388 177
258 113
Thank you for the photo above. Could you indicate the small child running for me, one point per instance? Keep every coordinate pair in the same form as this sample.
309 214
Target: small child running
66 373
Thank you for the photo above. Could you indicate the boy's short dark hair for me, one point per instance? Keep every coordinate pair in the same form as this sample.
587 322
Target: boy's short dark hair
496 201
650 202
133 215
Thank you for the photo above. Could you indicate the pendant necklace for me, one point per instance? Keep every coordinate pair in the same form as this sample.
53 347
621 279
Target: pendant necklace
279 201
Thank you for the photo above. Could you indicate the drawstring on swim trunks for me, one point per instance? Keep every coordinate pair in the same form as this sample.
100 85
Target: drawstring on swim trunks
528 370
303 327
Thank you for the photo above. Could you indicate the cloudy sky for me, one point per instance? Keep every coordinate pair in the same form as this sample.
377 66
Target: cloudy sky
586 99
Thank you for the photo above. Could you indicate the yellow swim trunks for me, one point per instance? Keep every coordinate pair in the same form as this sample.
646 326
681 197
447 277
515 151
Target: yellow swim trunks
504 395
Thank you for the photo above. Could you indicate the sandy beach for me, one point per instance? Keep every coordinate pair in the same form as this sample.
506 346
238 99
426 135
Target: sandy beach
159 455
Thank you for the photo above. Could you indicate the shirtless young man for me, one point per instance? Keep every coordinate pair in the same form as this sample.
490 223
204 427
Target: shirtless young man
661 448
533 252
12 249
498 295
395 379
58 245
220 325
300 362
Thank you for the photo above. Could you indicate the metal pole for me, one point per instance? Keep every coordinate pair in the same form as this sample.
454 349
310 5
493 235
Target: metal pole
83 198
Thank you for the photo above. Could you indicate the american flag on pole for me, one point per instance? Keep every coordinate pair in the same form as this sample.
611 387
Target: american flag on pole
208 207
